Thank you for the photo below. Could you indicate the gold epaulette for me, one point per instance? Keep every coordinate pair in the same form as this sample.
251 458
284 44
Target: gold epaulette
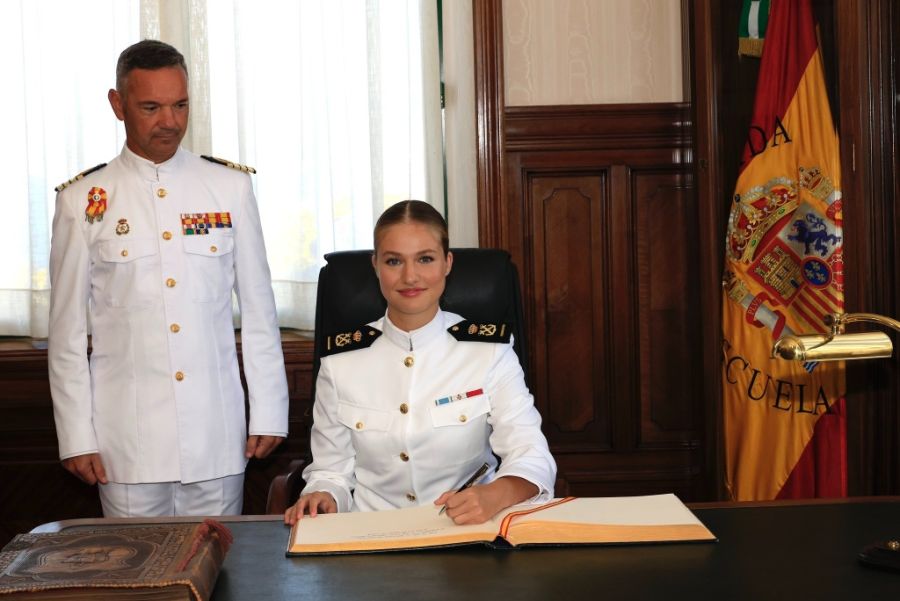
469 331
238 166
358 338
81 175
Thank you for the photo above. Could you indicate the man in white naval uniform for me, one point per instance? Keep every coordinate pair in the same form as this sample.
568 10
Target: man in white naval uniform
151 246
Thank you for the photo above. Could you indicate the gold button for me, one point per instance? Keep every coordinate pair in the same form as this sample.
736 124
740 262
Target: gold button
359 425
124 253
410 496
463 418
175 328
404 457
404 408
167 235
408 362
213 248
161 192
170 282
179 376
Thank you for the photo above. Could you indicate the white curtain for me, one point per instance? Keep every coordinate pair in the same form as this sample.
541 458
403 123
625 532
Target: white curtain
59 58
334 102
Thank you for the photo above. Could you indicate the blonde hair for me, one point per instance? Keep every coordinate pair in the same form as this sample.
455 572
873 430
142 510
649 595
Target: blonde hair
415 211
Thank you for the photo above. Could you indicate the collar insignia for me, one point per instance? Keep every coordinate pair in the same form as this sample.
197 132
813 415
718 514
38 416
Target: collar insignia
342 342
470 331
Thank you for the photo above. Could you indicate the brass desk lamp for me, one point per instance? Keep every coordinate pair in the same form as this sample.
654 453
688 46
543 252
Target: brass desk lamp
837 346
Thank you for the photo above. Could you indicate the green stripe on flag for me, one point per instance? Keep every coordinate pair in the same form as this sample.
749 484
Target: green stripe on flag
752 27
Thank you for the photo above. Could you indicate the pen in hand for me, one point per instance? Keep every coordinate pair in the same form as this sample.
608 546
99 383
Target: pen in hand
472 480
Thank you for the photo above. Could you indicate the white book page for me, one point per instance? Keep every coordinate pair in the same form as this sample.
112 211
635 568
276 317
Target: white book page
650 510
395 524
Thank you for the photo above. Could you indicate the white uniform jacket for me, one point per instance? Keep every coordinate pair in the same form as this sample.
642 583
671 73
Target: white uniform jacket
416 413
162 399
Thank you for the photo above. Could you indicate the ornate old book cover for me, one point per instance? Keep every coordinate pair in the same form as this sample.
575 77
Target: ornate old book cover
159 563
568 521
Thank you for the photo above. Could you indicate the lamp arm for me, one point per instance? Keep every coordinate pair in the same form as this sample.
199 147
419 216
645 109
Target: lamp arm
837 321
835 345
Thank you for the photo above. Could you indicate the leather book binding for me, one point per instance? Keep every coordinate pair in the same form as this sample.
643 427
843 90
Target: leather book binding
159 563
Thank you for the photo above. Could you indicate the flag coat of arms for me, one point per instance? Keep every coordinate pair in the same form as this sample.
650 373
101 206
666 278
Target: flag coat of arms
784 421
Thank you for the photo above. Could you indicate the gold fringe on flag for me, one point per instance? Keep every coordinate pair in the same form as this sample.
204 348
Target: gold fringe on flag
750 47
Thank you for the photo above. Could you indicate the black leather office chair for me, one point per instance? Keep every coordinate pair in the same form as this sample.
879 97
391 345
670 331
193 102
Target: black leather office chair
483 286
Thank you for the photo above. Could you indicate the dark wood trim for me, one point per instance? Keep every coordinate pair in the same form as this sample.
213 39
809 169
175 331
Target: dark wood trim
596 127
710 188
867 88
489 107
853 132
687 58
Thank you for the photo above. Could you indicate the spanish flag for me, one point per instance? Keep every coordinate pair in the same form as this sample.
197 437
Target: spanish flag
785 423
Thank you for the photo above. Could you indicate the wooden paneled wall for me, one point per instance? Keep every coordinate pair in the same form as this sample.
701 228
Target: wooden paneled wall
601 218
596 204
35 489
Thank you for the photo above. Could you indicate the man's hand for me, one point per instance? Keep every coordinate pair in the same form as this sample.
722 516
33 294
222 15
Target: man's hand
261 446
88 468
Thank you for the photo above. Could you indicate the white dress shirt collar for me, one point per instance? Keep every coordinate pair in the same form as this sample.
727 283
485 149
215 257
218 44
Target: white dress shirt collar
148 169
419 338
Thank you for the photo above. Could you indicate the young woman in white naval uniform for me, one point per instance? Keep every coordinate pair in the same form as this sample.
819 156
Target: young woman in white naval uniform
408 407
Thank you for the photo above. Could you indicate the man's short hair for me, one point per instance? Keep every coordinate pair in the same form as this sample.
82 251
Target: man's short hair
147 54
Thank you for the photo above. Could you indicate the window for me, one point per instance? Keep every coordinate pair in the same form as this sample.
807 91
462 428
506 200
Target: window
335 102
58 57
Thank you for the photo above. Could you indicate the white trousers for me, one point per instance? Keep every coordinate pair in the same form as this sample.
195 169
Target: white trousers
220 496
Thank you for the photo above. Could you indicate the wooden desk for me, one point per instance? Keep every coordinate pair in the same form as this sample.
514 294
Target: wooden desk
765 551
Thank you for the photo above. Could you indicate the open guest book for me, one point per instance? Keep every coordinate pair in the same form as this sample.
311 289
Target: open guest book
568 521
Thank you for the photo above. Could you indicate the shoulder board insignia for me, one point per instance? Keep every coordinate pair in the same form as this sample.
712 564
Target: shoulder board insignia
238 166
469 331
81 175
349 341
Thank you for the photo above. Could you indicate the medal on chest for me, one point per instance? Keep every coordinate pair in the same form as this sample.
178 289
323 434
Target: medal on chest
96 205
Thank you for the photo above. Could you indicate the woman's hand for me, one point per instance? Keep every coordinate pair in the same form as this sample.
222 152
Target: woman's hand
313 503
478 504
